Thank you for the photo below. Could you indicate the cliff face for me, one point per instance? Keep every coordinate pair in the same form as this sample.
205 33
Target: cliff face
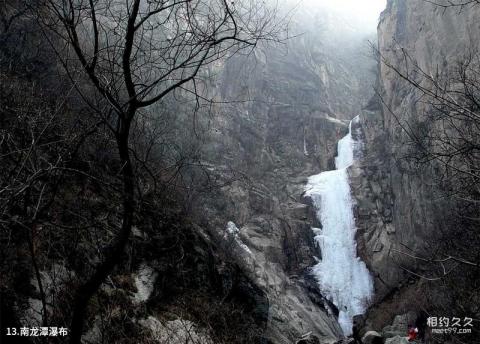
401 208
304 93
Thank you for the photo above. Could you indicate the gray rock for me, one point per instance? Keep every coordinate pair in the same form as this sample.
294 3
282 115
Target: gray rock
298 211
309 339
177 331
405 319
378 247
359 321
397 340
400 325
372 337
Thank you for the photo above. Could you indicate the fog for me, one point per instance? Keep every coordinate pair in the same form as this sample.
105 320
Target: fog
360 15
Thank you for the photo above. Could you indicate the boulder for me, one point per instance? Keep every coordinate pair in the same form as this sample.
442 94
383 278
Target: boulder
178 331
372 337
359 325
309 339
397 340
399 326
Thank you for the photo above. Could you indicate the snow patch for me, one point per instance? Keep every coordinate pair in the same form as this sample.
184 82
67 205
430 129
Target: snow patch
145 283
305 151
233 233
334 120
52 281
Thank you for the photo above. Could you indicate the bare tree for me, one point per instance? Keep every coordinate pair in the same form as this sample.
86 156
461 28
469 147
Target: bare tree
134 54
460 4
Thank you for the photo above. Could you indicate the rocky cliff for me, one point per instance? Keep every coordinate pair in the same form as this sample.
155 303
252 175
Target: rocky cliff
403 211
303 95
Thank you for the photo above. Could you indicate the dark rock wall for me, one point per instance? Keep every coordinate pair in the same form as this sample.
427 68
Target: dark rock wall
399 208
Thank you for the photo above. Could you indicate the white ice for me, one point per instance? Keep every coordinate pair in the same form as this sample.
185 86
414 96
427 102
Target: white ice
343 278
345 150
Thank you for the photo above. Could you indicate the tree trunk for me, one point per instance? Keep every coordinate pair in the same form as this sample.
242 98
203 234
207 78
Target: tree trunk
113 254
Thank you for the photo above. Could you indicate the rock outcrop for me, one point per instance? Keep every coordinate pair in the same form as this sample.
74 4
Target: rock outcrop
397 340
400 209
372 337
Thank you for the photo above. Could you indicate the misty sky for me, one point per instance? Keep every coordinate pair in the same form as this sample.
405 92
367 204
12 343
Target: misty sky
364 12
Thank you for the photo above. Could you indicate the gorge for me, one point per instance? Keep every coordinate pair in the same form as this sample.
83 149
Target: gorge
321 187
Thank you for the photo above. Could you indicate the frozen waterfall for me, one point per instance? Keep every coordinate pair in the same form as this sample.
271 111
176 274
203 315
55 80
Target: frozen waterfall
343 278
